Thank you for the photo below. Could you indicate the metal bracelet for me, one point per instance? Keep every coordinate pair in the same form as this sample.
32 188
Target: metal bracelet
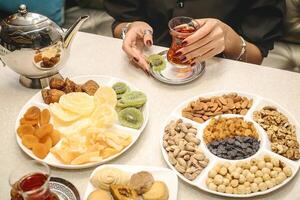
243 50
125 30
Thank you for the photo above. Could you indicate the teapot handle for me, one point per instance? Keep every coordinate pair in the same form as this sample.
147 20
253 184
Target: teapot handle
3 63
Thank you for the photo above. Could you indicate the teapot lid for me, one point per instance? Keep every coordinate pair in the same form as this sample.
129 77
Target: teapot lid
25 18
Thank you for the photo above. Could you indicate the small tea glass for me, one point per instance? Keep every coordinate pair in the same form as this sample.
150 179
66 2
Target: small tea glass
30 180
180 28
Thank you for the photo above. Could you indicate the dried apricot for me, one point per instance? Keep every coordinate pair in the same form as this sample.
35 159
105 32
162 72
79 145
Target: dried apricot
32 113
26 121
44 130
29 140
46 141
40 150
25 129
55 137
44 117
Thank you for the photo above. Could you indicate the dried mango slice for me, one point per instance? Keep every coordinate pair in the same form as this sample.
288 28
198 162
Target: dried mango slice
106 95
33 113
108 152
55 137
87 158
29 141
25 129
44 117
64 155
40 150
44 130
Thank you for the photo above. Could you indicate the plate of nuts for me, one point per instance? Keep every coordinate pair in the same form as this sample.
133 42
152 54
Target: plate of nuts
232 144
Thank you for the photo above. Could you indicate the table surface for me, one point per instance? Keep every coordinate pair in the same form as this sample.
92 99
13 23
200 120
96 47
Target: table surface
93 54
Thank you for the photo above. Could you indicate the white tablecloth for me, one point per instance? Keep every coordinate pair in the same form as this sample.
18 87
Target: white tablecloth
92 54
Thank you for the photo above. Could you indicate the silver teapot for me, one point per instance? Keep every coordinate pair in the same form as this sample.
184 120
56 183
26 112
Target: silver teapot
35 47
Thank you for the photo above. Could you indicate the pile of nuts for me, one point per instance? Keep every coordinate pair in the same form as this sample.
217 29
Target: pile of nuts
181 144
205 108
247 177
222 128
281 132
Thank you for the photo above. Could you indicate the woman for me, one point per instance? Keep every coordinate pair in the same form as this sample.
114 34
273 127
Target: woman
239 29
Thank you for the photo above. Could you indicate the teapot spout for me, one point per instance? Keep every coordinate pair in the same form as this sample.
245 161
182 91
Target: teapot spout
70 33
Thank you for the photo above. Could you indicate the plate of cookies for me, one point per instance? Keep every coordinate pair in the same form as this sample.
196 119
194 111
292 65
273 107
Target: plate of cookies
121 182
232 144
81 122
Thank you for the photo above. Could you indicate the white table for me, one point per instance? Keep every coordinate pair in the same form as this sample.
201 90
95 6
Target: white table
92 54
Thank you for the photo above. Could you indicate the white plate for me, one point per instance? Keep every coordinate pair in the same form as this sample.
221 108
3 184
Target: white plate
258 104
50 159
158 173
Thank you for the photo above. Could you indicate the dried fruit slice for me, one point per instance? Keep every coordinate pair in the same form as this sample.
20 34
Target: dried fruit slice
44 130
47 141
25 129
55 137
78 102
33 122
44 117
104 116
87 158
131 117
33 113
120 87
157 62
133 99
106 95
62 114
29 140
40 150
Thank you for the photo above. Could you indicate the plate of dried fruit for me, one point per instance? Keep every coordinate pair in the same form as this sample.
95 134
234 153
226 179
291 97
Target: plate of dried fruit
133 182
81 122
232 144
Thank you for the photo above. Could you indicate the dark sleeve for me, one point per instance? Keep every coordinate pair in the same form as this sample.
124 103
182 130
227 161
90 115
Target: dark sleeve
263 23
124 10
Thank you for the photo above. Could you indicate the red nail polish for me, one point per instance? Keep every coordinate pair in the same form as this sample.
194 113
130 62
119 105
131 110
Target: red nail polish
184 43
178 53
135 59
183 58
193 64
149 43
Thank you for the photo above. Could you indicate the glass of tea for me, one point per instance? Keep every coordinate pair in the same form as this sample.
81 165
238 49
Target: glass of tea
180 28
30 181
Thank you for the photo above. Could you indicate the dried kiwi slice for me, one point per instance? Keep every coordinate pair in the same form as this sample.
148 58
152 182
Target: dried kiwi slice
132 99
120 87
131 117
157 62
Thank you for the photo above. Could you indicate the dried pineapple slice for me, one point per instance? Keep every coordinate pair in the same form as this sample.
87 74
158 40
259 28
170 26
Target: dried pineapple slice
63 114
106 95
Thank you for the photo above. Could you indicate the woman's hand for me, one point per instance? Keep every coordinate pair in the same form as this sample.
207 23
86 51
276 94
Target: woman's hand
139 35
213 37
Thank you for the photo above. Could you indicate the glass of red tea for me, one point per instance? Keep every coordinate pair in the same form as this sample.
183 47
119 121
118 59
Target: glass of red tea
30 181
180 28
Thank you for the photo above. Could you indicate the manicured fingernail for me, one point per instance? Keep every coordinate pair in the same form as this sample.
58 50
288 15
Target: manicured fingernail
149 43
193 64
135 59
182 58
178 53
184 43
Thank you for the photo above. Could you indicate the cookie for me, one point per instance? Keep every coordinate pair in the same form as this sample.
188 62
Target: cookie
141 182
158 191
99 194
123 192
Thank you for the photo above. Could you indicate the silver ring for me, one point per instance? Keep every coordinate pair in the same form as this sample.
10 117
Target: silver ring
148 31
